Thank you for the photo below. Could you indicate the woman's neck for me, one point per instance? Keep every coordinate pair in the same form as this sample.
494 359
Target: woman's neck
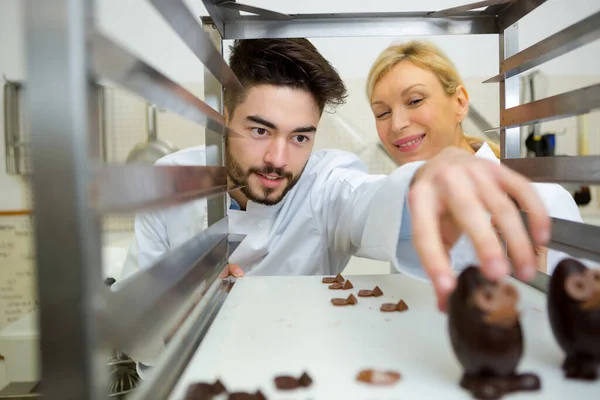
464 144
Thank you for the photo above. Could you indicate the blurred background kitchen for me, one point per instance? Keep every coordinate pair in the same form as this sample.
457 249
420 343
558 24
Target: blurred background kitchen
133 131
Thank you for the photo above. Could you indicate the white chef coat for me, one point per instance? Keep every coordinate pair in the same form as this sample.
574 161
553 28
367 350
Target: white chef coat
335 210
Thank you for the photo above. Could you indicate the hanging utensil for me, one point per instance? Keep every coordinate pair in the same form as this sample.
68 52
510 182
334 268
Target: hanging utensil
153 149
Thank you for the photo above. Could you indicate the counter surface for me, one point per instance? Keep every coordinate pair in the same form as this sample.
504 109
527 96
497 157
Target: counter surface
286 325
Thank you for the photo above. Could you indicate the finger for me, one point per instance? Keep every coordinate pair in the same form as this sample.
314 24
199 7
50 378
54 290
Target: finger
521 189
470 215
427 239
508 221
236 270
225 273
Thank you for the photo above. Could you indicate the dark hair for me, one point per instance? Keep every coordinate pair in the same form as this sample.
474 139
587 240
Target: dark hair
294 63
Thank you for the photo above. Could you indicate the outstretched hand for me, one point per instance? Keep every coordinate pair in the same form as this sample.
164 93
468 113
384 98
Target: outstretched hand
456 193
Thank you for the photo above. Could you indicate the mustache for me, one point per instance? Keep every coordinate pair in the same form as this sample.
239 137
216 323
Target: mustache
269 169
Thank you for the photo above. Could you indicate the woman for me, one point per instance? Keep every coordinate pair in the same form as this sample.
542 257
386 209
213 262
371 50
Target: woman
419 102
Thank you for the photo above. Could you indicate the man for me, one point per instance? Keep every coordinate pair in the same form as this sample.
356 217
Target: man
308 213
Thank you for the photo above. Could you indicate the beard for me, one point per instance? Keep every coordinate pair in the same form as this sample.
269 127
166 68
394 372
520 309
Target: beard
261 195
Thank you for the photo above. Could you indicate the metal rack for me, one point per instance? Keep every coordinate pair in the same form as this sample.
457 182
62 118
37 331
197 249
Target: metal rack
80 319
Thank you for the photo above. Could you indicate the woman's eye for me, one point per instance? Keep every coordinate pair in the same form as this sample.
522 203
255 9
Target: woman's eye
415 102
381 115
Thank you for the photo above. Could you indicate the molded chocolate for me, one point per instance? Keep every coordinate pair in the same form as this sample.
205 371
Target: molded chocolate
574 314
339 302
348 285
365 293
486 336
336 286
329 280
339 278
203 390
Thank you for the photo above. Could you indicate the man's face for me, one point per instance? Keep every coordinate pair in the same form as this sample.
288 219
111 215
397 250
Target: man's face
278 126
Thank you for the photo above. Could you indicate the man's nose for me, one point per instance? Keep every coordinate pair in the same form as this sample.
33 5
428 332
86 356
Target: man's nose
276 154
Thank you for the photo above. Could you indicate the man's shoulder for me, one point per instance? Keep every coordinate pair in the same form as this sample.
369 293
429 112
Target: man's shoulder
189 156
324 161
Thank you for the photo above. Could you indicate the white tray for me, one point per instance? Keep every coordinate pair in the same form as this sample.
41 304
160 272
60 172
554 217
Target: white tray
286 325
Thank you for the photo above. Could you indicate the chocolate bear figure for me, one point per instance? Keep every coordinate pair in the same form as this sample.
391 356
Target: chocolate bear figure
574 313
486 336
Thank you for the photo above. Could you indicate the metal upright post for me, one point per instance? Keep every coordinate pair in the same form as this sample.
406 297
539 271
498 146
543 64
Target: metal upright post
510 139
67 232
215 142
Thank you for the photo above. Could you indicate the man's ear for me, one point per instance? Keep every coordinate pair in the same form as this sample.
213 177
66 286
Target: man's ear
462 98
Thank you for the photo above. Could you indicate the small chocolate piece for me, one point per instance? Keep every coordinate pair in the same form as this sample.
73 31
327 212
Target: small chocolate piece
259 396
388 307
305 380
218 387
336 286
339 302
377 377
351 300
199 391
241 396
339 278
365 293
401 306
377 292
348 285
285 382
329 279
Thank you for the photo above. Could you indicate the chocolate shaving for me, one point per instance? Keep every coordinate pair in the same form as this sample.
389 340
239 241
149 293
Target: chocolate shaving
377 292
329 279
241 396
365 293
388 307
203 390
351 300
401 306
259 395
348 285
218 387
339 278
336 286
305 380
285 382
378 378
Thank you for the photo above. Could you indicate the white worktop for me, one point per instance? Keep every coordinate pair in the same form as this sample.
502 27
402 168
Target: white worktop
286 325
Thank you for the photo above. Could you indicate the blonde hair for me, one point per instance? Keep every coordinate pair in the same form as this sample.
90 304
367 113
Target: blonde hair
424 55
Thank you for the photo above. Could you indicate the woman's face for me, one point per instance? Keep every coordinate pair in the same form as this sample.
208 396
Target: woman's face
415 117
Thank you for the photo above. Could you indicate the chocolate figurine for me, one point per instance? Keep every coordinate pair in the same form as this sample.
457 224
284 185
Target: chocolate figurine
486 336
574 312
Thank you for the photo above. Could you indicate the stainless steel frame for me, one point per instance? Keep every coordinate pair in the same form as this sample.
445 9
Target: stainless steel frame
80 319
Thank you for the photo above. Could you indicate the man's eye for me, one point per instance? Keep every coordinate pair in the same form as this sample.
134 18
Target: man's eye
301 138
259 131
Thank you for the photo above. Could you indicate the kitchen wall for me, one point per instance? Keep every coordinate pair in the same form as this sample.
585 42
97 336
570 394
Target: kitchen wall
137 26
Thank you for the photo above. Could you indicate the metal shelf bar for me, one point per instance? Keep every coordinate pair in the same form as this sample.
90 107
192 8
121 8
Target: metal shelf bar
219 15
119 65
569 39
358 25
119 188
176 13
148 304
563 105
516 11
471 6
510 139
67 231
567 169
